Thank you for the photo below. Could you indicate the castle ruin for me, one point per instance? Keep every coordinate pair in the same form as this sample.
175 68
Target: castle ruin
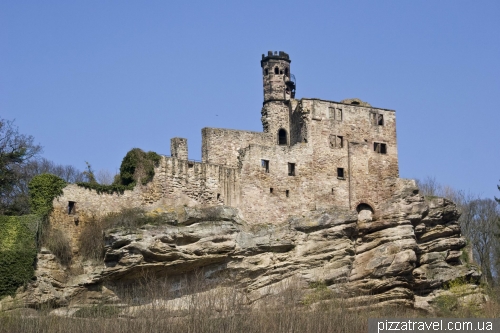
312 154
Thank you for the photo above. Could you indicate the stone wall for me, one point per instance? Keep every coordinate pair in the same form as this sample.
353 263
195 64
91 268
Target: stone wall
176 183
221 146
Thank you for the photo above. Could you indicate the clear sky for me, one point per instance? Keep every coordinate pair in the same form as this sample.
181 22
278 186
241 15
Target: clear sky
92 79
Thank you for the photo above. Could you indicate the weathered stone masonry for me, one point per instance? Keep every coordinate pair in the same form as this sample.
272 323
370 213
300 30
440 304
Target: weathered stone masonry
311 154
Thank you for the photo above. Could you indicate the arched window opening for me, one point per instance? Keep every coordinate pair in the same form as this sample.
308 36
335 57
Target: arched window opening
286 71
276 70
281 72
282 137
267 71
365 212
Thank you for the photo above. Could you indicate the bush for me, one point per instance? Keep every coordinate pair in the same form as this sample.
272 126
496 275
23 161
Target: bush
318 291
90 241
42 190
129 218
17 251
138 166
58 243
98 311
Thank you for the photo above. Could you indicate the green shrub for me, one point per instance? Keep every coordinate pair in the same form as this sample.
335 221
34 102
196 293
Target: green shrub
42 190
318 292
17 251
137 166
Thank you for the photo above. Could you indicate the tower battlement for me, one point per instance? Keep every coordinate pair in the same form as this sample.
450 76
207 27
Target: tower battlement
277 55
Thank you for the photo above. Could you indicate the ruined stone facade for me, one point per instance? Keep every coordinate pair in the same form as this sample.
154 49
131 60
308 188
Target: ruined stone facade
312 154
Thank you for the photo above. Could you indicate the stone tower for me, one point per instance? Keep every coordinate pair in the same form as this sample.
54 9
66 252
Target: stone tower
279 88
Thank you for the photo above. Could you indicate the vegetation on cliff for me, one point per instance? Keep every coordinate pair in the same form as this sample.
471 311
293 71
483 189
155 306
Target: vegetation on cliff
17 251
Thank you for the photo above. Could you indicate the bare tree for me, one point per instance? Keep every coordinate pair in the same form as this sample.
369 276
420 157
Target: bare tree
16 150
104 177
483 226
479 222
429 186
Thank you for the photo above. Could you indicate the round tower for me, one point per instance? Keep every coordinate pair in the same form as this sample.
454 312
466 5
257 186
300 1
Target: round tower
279 88
278 85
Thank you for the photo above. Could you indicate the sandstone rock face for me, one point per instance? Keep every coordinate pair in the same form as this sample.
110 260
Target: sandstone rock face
400 255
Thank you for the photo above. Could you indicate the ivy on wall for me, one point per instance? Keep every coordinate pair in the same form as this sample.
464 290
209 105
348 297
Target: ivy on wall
137 167
43 189
18 250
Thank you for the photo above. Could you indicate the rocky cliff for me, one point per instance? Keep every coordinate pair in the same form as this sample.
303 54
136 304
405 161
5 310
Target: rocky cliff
402 254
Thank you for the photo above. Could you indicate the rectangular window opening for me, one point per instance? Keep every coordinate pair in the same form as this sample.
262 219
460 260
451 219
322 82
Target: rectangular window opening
340 174
265 165
338 115
380 119
377 119
71 207
291 169
380 148
336 141
218 196
271 190
287 192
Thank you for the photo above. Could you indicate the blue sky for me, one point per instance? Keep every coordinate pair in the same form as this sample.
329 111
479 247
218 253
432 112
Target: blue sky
92 79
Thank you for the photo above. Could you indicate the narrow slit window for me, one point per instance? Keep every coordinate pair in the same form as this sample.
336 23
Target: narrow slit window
287 193
265 165
291 169
271 190
266 71
380 148
218 196
340 173
71 207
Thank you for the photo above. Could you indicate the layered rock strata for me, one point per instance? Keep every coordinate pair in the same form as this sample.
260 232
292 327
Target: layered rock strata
400 255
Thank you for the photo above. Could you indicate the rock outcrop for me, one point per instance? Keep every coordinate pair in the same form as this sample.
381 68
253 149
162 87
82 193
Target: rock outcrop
402 254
